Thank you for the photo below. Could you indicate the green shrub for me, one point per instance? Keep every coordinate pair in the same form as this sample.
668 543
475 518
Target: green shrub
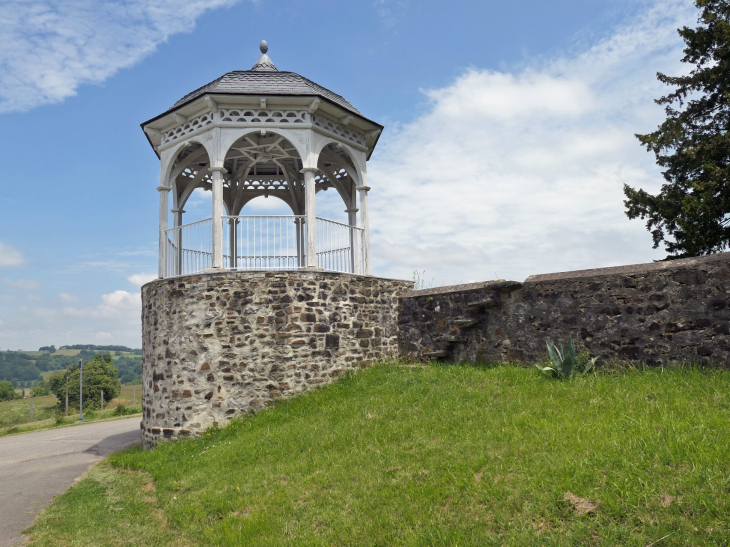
99 374
60 415
121 410
7 392
41 389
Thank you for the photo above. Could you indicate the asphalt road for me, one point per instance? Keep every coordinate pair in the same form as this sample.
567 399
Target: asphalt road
35 467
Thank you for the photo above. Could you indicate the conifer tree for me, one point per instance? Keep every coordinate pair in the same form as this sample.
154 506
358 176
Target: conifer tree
691 213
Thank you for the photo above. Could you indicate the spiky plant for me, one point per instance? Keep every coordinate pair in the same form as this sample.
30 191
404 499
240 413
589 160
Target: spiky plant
565 361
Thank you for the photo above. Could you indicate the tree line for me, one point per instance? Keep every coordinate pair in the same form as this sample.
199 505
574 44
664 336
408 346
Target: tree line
24 371
99 374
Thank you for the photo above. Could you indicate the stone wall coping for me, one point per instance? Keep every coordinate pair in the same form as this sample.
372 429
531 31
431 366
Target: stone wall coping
496 284
501 284
632 269
264 273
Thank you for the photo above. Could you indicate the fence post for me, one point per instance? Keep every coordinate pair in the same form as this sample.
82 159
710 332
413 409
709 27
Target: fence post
102 399
31 411
66 395
81 390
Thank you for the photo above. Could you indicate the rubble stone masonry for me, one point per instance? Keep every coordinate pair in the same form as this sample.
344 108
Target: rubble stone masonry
217 345
655 313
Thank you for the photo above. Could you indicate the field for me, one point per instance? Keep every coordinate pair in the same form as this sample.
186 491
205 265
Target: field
13 413
18 411
435 455
127 394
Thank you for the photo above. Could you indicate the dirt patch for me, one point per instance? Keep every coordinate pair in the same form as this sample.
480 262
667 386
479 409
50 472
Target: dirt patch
582 506
666 500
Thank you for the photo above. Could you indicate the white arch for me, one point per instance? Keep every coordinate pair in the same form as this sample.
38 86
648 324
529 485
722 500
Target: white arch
271 196
351 152
168 157
230 135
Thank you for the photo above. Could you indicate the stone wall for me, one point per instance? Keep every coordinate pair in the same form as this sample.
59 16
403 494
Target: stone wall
220 344
654 313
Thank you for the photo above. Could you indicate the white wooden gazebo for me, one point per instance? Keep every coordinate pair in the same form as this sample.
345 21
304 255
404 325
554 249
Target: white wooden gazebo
262 132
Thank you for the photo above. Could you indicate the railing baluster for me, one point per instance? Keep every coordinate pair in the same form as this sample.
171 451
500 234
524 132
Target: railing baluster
264 243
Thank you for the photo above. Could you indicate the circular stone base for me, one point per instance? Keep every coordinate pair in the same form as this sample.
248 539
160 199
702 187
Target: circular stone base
217 345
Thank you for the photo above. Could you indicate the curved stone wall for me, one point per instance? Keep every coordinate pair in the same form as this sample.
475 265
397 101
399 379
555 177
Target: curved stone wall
220 344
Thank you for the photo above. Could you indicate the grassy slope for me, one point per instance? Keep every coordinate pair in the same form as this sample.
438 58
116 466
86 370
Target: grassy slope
68 352
444 455
18 411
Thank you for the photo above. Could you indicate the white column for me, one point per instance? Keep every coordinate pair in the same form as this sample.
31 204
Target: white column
177 215
162 264
310 216
300 242
233 242
217 216
354 243
365 225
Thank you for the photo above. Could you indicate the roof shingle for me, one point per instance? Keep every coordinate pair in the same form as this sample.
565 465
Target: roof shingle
252 82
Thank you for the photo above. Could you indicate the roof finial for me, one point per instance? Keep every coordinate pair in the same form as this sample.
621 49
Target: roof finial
264 64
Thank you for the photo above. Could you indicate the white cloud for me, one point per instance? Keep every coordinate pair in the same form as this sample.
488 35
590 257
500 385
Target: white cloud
48 48
120 306
509 174
65 297
116 319
117 305
9 256
23 284
390 12
141 252
141 279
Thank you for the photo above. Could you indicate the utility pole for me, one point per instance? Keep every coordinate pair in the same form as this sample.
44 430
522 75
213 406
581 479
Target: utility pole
66 395
134 395
81 391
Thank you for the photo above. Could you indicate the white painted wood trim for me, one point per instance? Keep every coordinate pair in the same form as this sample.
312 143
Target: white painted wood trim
162 257
365 225
310 215
217 180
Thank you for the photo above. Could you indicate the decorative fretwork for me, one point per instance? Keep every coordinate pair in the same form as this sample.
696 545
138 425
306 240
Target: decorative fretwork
188 127
265 184
268 116
263 116
338 130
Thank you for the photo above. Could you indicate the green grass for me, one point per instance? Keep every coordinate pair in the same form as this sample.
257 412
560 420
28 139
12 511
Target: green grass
440 455
15 415
18 410
126 395
71 420
68 352
106 491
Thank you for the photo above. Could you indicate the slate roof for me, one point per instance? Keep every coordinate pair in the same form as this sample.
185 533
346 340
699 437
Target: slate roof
265 82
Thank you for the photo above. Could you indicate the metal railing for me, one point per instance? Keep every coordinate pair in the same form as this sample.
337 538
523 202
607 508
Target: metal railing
189 248
339 246
264 243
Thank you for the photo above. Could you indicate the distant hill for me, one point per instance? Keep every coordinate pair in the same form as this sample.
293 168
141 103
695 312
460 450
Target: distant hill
26 369
102 348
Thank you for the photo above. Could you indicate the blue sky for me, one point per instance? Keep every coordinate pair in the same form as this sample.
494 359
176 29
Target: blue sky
509 134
